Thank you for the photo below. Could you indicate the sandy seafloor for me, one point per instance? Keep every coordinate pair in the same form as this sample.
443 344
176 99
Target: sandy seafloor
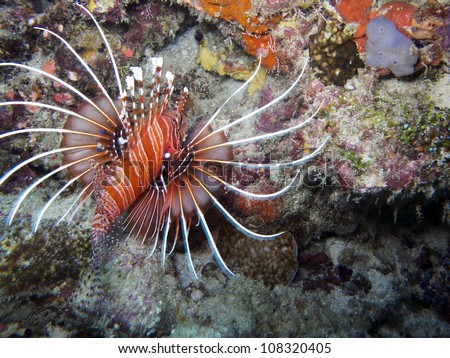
366 252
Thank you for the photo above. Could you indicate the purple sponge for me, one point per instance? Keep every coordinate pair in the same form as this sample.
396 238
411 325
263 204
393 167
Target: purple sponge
386 47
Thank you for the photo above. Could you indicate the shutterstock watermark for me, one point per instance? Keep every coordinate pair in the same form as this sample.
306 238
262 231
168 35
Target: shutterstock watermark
322 170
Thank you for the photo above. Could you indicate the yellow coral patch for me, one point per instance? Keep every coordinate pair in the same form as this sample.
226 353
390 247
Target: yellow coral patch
210 62
292 23
258 82
91 5
102 6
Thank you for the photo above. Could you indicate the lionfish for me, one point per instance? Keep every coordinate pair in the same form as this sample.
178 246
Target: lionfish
133 156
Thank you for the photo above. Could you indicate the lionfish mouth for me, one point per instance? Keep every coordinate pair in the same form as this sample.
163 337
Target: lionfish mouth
131 156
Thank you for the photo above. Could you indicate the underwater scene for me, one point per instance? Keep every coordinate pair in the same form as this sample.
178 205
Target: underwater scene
216 168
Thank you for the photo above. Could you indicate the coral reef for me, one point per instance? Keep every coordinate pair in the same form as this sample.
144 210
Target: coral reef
358 13
256 38
131 301
436 281
260 27
227 60
369 219
399 12
45 259
12 45
426 22
431 24
278 32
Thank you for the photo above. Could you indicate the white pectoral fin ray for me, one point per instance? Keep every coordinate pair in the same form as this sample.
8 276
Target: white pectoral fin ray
232 220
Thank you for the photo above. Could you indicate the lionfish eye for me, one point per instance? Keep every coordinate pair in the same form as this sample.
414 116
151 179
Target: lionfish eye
120 142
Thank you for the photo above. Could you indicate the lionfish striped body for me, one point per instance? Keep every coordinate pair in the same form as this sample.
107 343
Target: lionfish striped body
132 155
